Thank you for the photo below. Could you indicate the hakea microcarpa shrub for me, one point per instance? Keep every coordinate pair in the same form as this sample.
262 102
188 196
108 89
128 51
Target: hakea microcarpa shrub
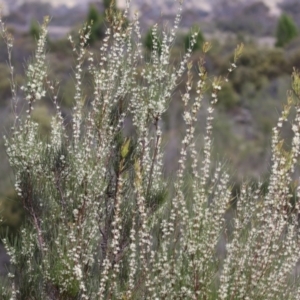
102 219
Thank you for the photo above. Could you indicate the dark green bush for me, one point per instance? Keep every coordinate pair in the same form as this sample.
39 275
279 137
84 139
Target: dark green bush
11 214
228 97
199 39
5 88
97 24
149 40
286 30
34 29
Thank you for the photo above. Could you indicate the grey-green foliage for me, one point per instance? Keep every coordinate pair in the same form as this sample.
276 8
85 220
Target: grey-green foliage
286 30
56 207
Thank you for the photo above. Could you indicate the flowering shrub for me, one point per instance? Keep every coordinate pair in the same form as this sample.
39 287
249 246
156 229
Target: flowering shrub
103 221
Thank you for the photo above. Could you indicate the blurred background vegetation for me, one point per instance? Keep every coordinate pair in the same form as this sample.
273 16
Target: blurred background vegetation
249 104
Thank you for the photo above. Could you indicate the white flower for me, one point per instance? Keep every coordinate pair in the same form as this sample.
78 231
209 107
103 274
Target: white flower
38 96
75 212
295 128
78 272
